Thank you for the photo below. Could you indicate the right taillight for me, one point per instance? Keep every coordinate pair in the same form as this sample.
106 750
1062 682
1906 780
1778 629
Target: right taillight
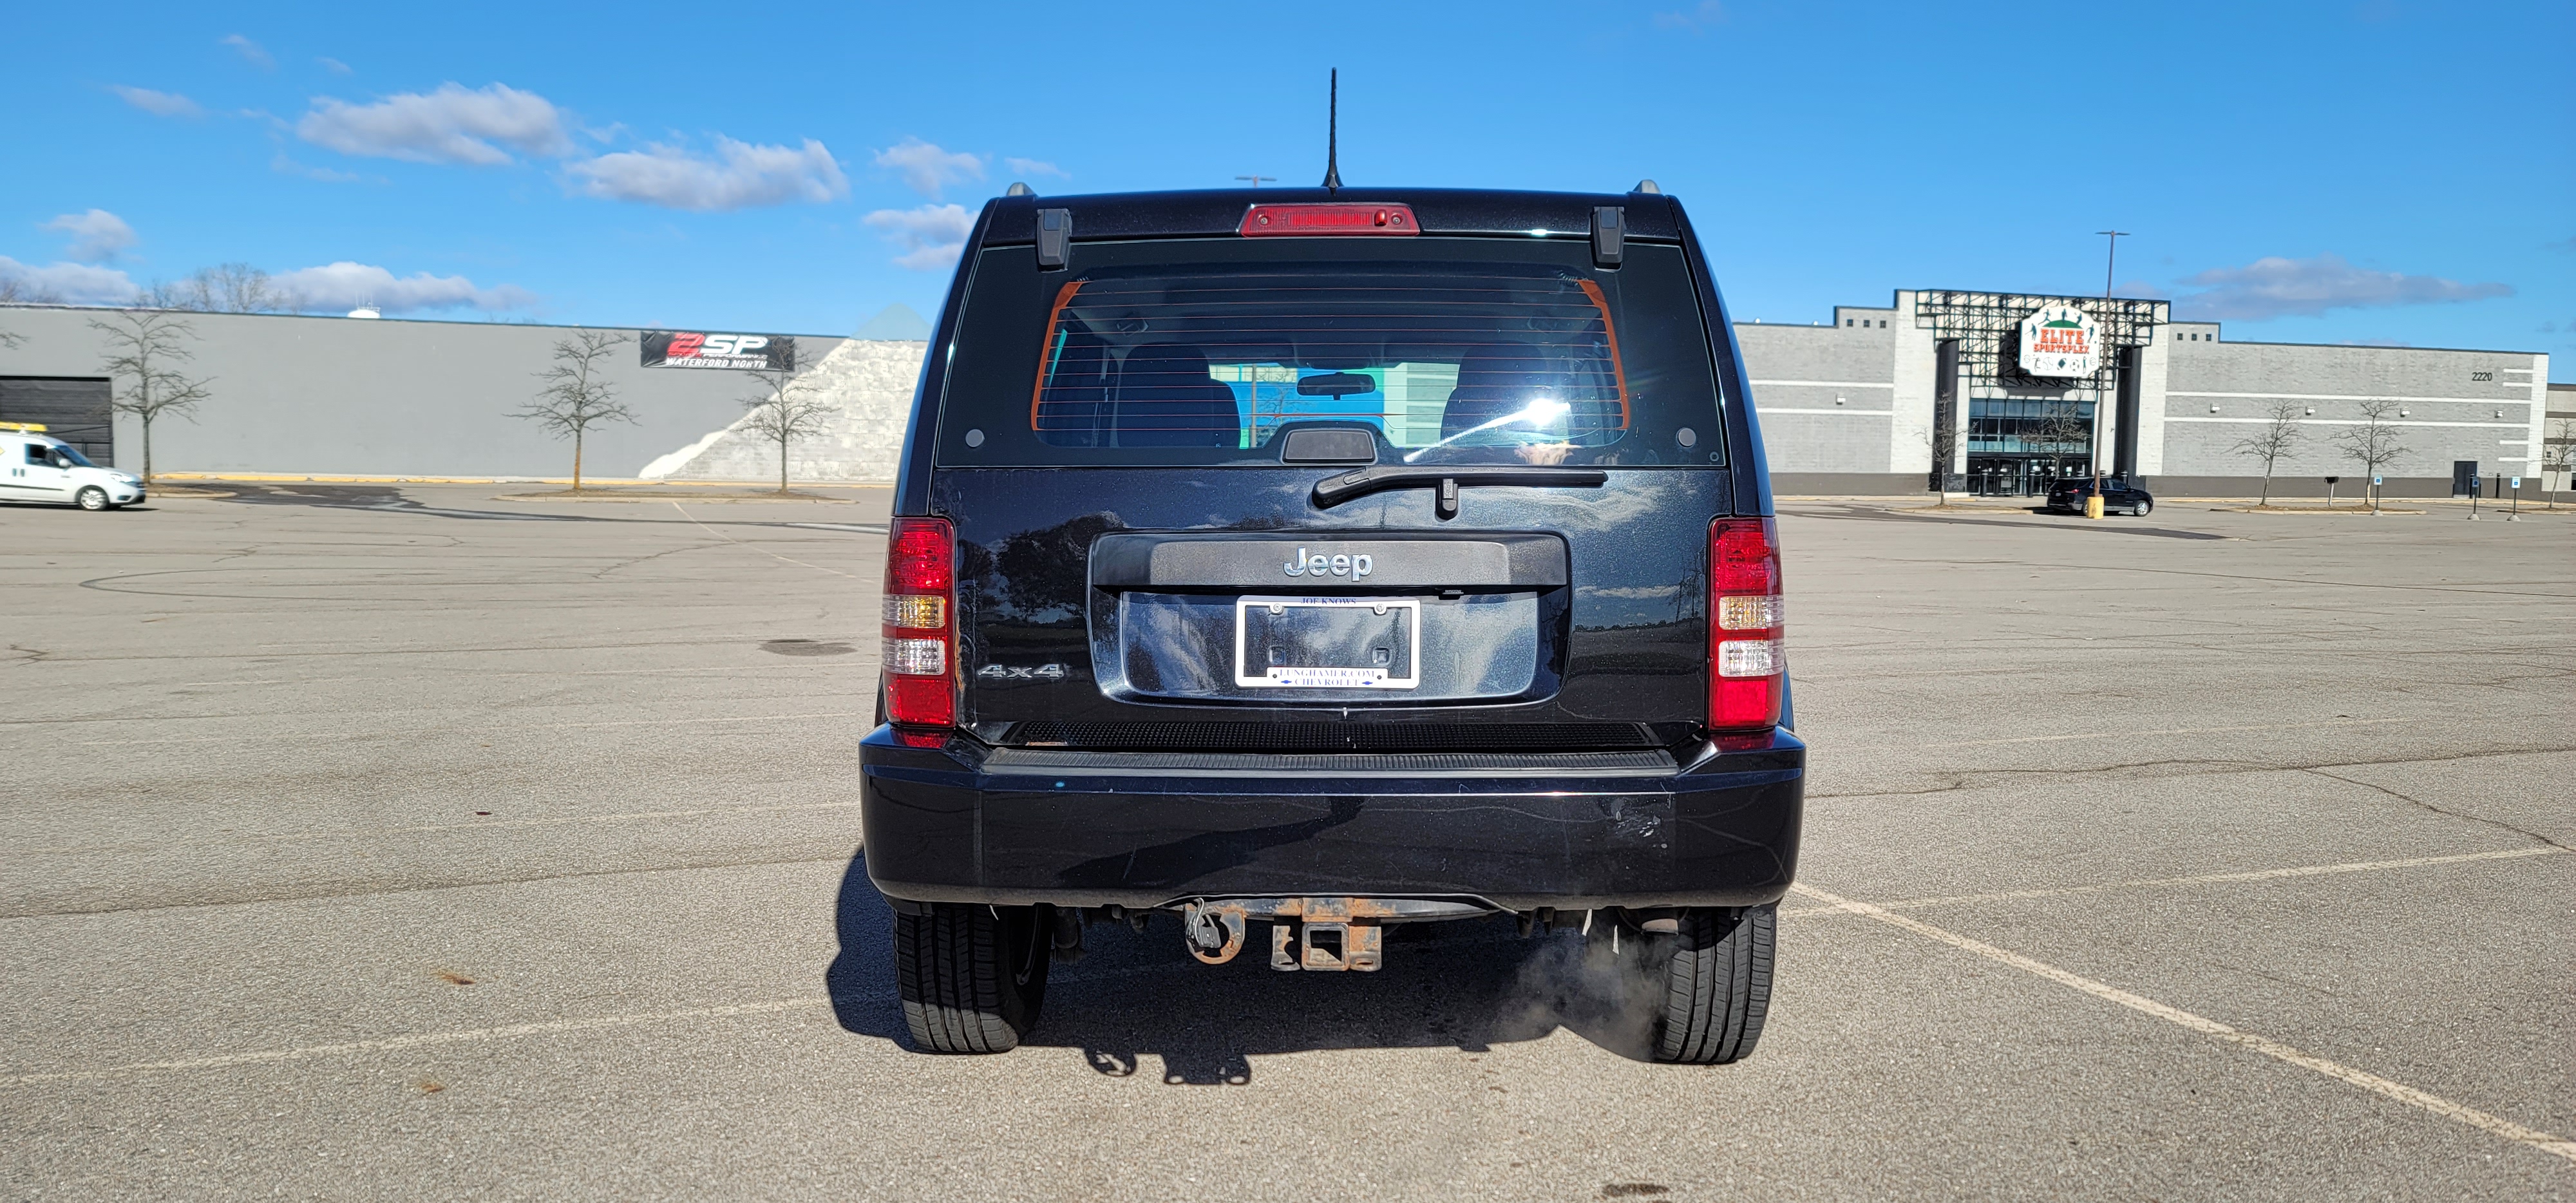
921 623
1747 667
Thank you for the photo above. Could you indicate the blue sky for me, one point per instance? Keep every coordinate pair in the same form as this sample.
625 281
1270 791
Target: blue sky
2380 171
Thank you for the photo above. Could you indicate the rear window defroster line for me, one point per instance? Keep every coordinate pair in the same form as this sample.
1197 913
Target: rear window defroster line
1051 348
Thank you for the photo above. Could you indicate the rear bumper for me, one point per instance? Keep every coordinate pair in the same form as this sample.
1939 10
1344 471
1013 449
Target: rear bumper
966 823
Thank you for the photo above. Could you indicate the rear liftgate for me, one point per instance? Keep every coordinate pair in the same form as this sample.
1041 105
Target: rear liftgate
1325 935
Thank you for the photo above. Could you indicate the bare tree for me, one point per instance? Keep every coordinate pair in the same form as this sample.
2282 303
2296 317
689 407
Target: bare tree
2373 444
147 346
223 288
1942 439
233 288
14 291
2280 434
2062 429
786 409
165 294
2558 454
577 395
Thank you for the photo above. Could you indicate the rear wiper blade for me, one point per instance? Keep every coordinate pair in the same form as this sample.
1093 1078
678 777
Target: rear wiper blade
1333 490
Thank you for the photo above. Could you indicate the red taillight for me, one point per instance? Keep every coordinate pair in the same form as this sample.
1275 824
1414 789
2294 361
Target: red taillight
921 623
1747 665
1332 219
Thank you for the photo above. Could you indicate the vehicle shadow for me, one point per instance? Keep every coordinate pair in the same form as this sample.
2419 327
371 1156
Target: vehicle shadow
1467 985
361 495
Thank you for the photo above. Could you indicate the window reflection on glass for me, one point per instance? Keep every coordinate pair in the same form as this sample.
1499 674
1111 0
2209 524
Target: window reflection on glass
1447 360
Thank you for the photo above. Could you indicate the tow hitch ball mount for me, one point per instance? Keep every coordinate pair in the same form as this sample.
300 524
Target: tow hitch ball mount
1323 935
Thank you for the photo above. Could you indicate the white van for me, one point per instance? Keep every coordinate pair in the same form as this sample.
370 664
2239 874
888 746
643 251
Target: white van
35 466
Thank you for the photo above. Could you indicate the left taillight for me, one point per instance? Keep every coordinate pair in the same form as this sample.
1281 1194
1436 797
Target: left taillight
921 623
1747 664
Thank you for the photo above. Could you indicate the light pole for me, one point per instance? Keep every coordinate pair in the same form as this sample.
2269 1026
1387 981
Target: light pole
2110 257
1258 180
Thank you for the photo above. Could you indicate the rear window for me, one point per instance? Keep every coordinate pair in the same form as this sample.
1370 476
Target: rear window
1468 351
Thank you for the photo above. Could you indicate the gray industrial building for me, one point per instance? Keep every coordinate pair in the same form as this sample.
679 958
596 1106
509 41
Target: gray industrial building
1858 406
352 396
1854 406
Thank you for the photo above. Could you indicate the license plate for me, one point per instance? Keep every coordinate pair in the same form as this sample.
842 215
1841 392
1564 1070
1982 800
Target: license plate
1327 642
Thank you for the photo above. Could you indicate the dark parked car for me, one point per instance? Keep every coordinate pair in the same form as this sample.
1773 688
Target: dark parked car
1329 561
2118 496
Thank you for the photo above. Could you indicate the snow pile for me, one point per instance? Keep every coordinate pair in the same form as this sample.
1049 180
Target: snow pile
869 380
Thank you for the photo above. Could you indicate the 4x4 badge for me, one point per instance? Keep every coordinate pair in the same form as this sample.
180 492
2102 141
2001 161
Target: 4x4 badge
1022 672
1319 564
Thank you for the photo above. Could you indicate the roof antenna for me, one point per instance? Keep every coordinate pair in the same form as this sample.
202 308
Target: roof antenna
1333 136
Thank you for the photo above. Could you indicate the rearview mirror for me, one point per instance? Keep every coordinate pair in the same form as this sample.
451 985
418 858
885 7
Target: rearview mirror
1336 384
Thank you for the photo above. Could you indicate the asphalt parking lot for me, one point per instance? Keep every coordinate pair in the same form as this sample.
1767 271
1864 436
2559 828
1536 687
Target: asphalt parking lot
401 841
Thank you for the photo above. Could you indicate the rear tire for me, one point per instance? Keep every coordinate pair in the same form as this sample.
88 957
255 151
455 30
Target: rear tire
971 977
1715 979
91 498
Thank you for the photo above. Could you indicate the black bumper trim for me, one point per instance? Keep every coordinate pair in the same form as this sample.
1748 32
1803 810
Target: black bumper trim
1008 761
953 825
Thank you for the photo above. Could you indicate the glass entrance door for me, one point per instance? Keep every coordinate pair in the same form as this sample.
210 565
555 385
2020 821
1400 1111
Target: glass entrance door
2017 445
2020 475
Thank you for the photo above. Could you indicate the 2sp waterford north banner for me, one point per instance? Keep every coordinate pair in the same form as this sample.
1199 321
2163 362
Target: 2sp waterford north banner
700 349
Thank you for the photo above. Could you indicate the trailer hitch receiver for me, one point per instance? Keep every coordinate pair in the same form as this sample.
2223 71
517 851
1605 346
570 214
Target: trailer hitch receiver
1323 935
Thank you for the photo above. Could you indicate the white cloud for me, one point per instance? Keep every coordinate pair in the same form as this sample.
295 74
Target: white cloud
335 66
2273 287
345 285
738 176
1036 167
96 235
159 104
927 168
250 51
71 283
933 234
450 125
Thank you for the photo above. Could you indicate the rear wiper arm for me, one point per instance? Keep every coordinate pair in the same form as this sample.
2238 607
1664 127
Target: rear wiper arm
1333 490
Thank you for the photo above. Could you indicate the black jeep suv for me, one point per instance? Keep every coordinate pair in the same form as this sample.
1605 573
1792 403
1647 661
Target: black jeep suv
2118 496
1329 560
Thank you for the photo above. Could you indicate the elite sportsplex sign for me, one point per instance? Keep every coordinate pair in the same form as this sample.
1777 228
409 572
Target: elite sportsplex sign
2060 340
700 349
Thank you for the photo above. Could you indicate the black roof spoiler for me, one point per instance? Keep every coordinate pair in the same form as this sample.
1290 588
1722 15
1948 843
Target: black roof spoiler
1649 216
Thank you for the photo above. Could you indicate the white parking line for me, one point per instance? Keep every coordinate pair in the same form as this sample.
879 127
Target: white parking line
762 550
2041 739
421 1040
509 730
351 833
2198 879
2543 1141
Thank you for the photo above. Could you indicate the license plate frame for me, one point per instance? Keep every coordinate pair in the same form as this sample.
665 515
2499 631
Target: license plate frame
1406 611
